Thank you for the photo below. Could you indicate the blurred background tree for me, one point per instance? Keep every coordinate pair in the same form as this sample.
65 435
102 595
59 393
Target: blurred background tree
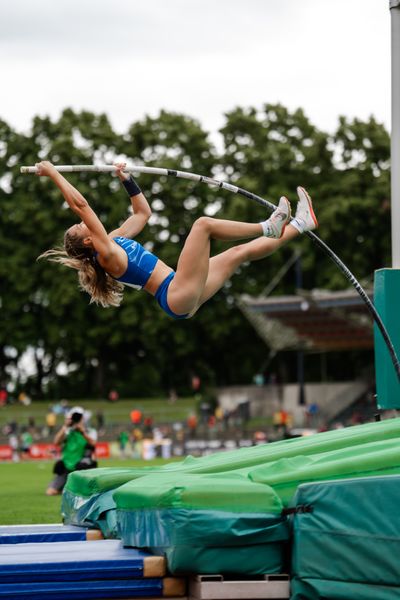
79 349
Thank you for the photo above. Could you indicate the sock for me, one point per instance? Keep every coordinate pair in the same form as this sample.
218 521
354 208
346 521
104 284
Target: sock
267 229
298 224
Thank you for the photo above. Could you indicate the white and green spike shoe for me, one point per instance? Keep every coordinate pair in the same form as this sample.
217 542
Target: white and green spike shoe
275 225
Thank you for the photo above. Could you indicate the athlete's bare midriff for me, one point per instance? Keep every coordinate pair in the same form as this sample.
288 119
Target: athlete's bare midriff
161 271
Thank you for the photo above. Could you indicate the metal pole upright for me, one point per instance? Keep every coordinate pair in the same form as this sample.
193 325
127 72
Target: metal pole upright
387 280
395 133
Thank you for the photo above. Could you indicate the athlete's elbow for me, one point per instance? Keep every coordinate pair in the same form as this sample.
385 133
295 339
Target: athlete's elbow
147 212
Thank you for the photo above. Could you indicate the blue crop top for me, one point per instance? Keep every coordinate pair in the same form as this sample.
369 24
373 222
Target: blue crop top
141 263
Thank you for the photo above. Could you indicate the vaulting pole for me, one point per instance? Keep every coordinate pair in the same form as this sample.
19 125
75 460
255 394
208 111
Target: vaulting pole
137 169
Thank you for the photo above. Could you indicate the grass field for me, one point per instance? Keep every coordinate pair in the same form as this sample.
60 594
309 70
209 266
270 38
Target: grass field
23 485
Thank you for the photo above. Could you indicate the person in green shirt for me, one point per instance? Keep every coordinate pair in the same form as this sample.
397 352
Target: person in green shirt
77 450
26 442
123 440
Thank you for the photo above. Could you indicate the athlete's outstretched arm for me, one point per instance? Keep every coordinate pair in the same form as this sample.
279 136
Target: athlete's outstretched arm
80 206
141 208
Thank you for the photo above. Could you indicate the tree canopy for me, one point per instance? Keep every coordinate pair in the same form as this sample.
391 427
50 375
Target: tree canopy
81 349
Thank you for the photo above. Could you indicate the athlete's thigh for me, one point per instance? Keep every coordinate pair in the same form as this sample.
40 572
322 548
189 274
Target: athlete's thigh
222 267
192 268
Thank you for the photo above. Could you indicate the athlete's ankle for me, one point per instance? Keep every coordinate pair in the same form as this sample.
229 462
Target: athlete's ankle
275 225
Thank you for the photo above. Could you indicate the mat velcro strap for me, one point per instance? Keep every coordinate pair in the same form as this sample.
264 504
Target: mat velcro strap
300 509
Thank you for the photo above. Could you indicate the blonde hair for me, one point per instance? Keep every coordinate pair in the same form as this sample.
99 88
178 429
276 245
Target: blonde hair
93 279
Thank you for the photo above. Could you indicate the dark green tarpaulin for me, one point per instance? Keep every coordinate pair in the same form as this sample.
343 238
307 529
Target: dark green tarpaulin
93 481
201 520
83 500
352 532
285 475
170 510
318 589
216 501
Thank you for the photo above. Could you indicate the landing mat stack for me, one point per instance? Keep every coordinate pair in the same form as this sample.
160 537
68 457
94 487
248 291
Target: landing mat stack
80 570
223 513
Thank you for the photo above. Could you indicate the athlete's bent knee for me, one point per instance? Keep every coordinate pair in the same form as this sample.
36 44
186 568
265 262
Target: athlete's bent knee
204 223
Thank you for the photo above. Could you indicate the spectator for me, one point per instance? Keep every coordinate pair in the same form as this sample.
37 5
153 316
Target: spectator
211 422
32 425
148 426
77 450
113 396
89 457
11 427
259 437
100 421
136 417
172 396
137 443
219 415
3 396
14 445
61 408
51 420
192 424
196 383
312 411
123 440
26 442
24 399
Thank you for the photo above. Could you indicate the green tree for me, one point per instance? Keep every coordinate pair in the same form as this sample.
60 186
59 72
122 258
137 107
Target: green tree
79 348
270 152
356 207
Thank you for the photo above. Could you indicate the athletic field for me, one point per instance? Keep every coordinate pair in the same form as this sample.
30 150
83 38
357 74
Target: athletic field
23 485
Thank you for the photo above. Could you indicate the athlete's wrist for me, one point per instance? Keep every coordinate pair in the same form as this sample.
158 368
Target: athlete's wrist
131 186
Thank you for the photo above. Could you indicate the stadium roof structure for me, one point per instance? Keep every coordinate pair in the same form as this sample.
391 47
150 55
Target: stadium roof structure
316 321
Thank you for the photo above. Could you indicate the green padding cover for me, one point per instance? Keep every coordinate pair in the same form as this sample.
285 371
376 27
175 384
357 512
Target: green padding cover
285 475
232 492
204 523
319 589
93 481
150 528
368 449
352 533
247 458
173 509
246 560
208 541
97 511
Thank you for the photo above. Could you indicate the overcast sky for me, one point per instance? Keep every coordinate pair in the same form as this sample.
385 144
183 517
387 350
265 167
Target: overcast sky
130 58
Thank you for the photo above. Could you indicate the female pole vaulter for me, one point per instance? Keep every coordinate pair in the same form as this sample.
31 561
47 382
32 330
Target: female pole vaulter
106 262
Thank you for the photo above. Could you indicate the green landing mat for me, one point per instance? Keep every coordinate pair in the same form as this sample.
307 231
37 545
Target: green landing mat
349 532
319 589
174 510
88 498
205 523
94 481
368 459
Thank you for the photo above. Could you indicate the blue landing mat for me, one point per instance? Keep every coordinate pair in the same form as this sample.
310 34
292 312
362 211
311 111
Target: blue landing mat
53 532
83 590
59 561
